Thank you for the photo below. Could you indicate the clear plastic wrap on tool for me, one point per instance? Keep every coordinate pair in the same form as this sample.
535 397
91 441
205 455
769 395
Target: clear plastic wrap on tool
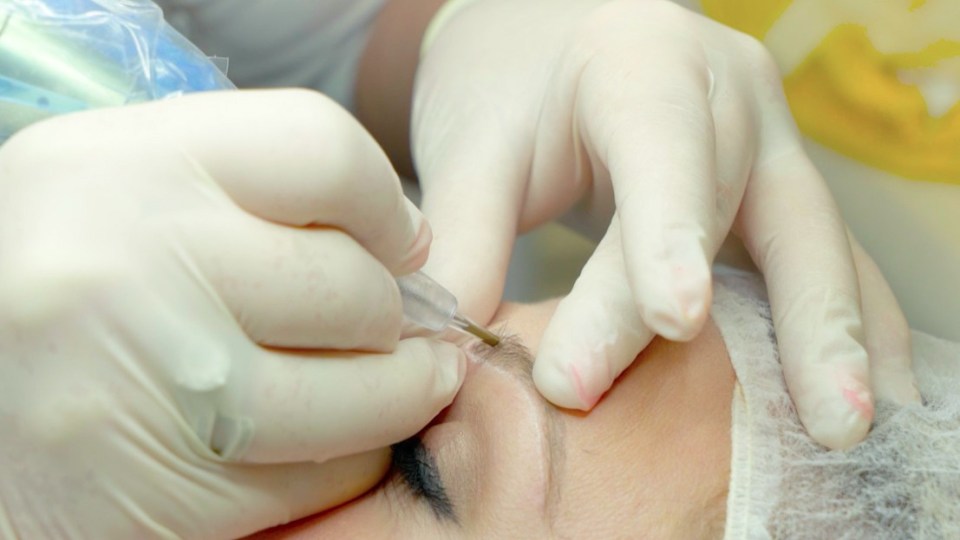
428 304
61 56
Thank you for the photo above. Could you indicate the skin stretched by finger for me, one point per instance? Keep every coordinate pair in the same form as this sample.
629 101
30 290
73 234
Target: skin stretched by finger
595 333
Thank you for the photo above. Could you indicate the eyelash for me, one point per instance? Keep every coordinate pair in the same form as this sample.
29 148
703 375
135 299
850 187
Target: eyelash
414 465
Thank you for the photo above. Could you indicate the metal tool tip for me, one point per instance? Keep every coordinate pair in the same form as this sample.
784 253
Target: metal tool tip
485 335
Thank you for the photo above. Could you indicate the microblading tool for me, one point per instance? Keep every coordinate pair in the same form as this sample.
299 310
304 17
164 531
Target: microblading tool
428 304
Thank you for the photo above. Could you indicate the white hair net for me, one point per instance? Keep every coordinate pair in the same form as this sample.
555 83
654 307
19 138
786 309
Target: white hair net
902 482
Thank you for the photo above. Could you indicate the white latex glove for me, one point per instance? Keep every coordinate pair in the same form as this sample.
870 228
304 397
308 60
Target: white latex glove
198 322
676 127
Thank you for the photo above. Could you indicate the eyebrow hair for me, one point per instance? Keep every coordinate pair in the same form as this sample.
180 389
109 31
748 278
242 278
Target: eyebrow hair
510 355
514 358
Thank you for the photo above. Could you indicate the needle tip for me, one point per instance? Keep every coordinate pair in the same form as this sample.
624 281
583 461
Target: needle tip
485 335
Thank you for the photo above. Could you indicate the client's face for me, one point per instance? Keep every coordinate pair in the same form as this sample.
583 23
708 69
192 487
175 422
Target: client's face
651 460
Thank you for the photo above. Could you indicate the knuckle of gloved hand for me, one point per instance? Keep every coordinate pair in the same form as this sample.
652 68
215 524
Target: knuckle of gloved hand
341 143
72 138
666 13
758 61
759 55
662 11
27 153
311 114
594 31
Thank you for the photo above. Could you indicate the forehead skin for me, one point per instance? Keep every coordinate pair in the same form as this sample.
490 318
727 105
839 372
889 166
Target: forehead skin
669 422
650 461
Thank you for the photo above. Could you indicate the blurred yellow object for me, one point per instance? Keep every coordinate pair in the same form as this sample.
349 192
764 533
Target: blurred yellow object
876 81
874 86
753 17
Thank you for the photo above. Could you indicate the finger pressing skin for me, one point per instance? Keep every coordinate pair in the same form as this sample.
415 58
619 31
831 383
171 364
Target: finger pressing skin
595 333
794 233
887 333
316 407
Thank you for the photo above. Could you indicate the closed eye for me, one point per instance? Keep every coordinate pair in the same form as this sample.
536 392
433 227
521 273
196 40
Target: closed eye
416 467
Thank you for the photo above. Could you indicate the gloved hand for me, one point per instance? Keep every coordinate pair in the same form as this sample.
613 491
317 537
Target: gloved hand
199 324
676 128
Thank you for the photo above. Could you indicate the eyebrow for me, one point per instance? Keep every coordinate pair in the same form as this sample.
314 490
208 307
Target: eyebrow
515 359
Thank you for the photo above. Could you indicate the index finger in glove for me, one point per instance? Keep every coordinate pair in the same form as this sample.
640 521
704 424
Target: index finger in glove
793 230
473 184
595 333
295 157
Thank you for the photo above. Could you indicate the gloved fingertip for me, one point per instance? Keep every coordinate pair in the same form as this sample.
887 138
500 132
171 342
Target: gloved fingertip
588 397
843 420
840 434
451 370
911 395
565 385
678 323
681 315
418 251
860 399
